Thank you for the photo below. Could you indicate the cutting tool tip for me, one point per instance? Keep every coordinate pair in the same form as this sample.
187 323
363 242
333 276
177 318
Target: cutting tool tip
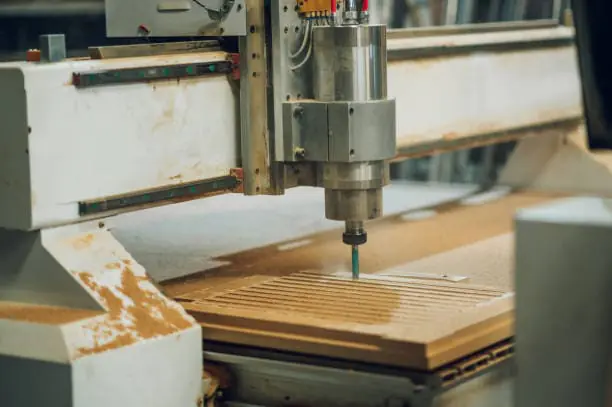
355 261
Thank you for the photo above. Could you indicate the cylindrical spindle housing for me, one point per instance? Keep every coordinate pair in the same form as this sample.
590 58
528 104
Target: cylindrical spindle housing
350 65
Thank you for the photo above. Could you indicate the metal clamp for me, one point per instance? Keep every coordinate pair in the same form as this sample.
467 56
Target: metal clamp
339 131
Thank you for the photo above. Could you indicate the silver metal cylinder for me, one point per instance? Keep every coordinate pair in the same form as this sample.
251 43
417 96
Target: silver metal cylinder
350 69
350 63
350 5
350 16
353 205
361 175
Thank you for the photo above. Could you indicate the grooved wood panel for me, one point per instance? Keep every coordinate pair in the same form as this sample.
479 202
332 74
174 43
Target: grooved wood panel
403 322
265 297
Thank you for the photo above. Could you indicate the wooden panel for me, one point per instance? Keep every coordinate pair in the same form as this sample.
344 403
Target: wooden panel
404 322
294 296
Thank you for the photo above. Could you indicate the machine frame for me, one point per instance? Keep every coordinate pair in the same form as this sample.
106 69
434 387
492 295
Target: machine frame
47 243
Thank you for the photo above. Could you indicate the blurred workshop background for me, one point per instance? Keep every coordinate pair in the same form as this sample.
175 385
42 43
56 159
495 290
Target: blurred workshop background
82 21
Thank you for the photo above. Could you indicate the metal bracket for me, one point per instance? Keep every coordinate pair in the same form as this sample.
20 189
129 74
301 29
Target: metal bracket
339 131
286 32
361 131
305 131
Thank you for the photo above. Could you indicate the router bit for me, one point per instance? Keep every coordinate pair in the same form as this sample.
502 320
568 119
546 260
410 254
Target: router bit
355 262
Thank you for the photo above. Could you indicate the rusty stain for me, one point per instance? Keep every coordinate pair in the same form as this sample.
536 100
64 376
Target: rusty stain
147 315
113 266
83 242
167 117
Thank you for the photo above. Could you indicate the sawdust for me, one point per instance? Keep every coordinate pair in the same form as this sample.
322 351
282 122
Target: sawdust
144 316
113 303
113 266
43 314
167 320
84 242
117 342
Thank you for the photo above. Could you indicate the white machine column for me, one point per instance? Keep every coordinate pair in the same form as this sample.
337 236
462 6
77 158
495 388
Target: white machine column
81 323
563 303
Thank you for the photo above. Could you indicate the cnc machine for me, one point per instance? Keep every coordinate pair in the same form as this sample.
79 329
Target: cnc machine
316 96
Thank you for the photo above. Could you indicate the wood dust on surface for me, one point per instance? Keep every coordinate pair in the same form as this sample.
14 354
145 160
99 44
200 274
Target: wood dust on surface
392 241
43 314
147 314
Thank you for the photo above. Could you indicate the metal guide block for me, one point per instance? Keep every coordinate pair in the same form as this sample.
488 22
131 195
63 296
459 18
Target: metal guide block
339 131
361 131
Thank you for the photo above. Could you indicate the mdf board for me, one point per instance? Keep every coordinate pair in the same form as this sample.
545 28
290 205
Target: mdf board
294 296
393 321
